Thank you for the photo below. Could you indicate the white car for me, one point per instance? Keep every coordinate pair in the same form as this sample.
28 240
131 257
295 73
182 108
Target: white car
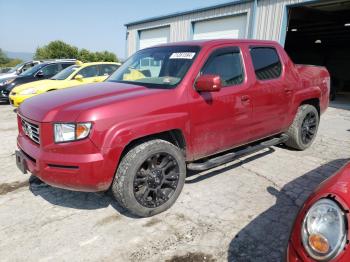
19 69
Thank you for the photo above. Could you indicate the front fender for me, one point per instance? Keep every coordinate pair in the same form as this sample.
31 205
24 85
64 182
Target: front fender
122 134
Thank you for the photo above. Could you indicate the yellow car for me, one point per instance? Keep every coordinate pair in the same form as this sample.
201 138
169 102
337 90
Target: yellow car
71 76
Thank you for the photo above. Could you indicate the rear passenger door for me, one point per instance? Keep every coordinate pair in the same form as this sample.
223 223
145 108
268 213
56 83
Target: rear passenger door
220 120
271 96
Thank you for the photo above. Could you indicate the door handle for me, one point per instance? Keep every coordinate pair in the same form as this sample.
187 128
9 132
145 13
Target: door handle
245 98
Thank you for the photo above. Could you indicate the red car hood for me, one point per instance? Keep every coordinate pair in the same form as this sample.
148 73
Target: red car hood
338 184
67 104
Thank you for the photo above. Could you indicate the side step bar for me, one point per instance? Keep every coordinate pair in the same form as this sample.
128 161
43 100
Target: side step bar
223 159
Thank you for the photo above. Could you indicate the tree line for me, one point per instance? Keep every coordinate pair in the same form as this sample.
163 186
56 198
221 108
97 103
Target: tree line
6 61
59 49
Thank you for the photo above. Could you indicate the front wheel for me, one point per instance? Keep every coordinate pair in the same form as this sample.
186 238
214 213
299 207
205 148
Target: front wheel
150 178
303 131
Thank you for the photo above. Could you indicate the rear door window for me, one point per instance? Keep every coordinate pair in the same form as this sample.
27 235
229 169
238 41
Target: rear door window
266 62
226 63
89 71
51 70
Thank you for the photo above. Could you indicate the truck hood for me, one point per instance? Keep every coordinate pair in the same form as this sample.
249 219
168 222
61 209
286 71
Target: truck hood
66 105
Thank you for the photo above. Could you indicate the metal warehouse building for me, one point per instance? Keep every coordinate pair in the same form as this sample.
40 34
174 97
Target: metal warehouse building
313 32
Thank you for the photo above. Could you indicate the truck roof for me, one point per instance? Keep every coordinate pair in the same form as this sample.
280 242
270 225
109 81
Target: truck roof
209 42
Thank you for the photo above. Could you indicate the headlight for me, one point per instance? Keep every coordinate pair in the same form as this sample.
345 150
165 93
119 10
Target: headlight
71 132
6 82
29 91
323 230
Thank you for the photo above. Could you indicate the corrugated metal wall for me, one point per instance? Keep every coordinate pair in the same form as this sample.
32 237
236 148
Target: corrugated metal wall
270 16
181 26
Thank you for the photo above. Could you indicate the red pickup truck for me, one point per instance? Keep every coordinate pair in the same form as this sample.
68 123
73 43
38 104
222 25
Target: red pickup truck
168 109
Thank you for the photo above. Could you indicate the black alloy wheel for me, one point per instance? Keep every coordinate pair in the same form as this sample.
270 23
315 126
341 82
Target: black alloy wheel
156 180
309 127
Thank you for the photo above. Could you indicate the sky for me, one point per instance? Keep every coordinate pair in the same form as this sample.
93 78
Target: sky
94 25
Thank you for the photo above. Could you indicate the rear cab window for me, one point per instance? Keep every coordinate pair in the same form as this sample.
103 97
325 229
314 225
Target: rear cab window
266 62
227 63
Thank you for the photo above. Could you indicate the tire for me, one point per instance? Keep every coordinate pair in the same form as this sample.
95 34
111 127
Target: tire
300 137
145 168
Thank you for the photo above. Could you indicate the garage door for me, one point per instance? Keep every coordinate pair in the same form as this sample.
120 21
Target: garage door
153 37
231 27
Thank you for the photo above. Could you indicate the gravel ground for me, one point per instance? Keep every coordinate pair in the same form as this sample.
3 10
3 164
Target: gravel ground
242 211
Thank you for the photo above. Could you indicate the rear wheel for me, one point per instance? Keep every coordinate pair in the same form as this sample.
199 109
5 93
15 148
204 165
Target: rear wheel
150 178
303 131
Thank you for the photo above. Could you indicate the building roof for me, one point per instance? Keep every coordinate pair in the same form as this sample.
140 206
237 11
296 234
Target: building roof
212 42
202 9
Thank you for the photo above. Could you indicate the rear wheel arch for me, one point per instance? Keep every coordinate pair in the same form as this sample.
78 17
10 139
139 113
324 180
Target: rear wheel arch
315 102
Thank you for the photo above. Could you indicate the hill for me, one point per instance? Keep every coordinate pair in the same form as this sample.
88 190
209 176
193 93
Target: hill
25 56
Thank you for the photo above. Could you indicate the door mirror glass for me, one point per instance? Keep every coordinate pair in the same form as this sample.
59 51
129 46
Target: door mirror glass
78 77
208 83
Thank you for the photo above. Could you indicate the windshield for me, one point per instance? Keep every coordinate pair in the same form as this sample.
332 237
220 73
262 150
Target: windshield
32 70
14 69
159 67
64 74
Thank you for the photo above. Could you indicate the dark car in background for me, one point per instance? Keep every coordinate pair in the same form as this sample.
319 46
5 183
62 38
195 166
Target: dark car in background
44 70
18 69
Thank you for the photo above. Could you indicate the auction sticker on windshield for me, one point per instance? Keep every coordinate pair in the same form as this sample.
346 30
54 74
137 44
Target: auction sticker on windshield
183 55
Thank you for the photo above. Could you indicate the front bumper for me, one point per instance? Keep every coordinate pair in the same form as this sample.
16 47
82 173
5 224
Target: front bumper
89 172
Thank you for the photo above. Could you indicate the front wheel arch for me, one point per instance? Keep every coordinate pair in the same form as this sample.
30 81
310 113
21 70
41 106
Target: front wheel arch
173 136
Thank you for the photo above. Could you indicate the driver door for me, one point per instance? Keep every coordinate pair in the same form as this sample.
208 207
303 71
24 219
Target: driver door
220 120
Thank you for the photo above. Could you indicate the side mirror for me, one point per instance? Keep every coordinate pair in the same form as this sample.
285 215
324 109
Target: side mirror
78 77
208 83
39 74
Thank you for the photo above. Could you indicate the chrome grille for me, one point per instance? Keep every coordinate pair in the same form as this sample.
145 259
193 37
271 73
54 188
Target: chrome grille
31 130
